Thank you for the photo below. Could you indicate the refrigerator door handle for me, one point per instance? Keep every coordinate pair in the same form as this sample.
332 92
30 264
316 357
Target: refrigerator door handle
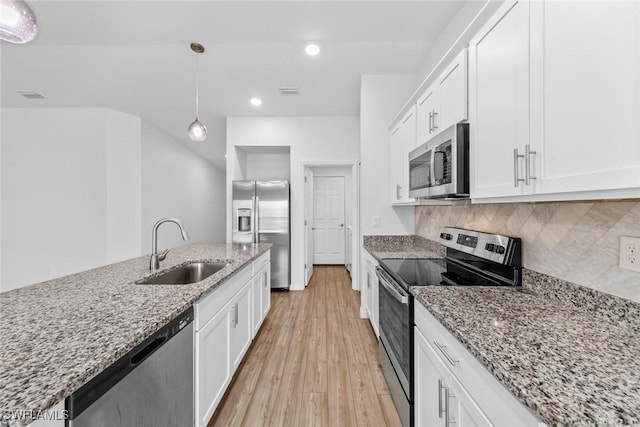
256 210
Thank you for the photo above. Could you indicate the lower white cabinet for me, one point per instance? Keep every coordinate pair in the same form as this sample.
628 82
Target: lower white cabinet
261 293
225 323
452 388
371 291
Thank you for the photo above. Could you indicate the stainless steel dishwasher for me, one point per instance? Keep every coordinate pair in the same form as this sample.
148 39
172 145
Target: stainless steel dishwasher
151 386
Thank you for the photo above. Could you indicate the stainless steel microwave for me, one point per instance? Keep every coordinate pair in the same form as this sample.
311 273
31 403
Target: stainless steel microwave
440 167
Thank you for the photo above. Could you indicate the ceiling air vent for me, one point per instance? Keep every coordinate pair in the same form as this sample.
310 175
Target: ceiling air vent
30 94
289 91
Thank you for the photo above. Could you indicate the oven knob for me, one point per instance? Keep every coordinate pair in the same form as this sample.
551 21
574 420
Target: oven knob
500 249
446 236
490 247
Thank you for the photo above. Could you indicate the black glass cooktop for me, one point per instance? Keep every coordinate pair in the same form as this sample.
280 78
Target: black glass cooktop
433 272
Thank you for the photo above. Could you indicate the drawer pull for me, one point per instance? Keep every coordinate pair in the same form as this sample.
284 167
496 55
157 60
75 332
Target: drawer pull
443 350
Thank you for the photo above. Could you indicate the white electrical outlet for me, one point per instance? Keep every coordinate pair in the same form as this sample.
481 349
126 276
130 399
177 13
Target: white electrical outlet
630 253
375 221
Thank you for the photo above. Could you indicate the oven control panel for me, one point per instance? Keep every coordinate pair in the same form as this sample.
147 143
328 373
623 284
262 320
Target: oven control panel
493 247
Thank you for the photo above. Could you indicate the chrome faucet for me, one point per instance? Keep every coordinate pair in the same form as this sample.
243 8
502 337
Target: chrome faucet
154 261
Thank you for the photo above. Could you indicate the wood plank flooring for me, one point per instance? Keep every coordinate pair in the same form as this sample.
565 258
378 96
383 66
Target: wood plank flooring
314 363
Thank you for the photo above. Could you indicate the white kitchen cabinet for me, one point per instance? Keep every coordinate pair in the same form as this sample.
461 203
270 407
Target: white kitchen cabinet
450 384
403 140
213 364
499 103
261 291
241 326
558 82
585 95
223 332
444 102
371 291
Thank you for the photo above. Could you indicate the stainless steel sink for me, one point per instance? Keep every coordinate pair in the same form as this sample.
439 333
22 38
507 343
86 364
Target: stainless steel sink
185 274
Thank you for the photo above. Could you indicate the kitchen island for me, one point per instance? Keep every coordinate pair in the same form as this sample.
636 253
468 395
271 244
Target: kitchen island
59 334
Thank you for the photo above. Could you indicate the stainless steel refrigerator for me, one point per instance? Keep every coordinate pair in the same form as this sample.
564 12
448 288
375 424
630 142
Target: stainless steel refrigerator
261 214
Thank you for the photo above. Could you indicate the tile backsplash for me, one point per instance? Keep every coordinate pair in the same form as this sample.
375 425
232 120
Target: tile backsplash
574 241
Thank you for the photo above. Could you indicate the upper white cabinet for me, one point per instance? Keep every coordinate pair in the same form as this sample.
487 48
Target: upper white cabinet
403 140
499 103
444 103
554 101
585 95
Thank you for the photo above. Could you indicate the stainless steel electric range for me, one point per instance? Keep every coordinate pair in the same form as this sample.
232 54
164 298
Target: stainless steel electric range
473 259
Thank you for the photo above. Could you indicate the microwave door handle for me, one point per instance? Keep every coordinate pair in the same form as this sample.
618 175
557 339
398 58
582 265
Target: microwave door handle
439 158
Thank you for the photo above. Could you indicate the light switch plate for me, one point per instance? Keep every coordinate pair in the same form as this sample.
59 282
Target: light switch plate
630 253
375 221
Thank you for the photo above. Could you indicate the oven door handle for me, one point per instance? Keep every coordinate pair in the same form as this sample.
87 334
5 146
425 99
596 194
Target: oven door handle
401 297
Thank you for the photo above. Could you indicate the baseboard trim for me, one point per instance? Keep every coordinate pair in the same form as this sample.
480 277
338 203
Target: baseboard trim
295 287
363 312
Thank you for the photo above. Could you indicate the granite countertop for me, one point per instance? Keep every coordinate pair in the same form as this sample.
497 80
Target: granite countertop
570 366
59 334
402 247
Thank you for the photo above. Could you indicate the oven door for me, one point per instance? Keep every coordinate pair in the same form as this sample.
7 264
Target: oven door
395 327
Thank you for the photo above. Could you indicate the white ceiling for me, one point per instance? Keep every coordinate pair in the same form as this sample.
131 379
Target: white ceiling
134 56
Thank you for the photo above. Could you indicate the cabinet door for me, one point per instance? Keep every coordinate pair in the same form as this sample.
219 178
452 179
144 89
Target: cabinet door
463 410
430 389
403 140
499 102
265 289
585 89
426 106
452 88
213 364
240 325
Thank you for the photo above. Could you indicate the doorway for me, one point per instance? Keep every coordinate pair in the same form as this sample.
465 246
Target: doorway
331 216
329 220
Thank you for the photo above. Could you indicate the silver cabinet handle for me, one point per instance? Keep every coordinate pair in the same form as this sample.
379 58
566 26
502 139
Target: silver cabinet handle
440 387
430 121
434 120
398 187
443 350
516 179
234 319
527 164
447 395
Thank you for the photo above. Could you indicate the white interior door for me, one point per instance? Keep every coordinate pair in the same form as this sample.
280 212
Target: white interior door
328 220
308 225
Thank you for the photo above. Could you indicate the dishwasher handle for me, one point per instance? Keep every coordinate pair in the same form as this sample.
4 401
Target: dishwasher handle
140 356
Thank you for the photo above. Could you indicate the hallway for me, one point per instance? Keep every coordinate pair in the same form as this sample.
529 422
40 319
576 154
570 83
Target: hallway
314 362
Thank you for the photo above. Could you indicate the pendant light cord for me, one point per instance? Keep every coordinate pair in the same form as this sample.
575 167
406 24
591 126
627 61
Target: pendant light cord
197 86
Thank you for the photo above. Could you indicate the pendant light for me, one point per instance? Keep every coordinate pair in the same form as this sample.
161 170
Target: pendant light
197 130
17 22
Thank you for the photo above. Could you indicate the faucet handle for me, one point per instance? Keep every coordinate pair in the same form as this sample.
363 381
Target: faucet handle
162 255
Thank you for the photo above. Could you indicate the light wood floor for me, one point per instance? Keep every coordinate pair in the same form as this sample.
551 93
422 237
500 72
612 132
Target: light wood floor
313 363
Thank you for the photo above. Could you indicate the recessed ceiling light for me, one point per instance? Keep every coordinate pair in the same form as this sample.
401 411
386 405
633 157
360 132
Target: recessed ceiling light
256 102
312 48
17 22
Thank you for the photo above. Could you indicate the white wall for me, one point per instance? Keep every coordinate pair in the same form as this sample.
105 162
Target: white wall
268 167
63 190
381 97
311 139
178 183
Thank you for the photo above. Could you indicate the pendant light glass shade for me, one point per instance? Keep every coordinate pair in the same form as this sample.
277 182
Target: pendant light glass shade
17 22
197 130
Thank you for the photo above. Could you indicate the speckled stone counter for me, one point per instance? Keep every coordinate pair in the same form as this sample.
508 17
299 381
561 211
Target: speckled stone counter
402 247
59 334
569 365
